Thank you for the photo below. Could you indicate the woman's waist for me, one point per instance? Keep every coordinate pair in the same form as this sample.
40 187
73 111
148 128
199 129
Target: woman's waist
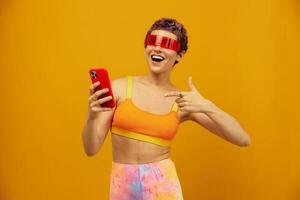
128 150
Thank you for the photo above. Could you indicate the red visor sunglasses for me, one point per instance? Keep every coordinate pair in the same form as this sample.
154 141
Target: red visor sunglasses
166 42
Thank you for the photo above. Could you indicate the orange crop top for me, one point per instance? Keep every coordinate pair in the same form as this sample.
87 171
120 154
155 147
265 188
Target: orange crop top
132 122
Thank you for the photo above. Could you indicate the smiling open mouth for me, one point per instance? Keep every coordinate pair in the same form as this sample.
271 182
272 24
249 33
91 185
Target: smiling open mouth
157 58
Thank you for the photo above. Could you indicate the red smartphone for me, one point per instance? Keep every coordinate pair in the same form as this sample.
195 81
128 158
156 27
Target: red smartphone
101 75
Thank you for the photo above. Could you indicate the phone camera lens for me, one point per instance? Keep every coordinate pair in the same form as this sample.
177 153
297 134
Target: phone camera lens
93 74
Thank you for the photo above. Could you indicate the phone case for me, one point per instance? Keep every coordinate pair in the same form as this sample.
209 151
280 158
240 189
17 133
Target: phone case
101 75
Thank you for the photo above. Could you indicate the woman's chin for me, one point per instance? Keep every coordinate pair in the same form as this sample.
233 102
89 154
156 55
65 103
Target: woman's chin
157 69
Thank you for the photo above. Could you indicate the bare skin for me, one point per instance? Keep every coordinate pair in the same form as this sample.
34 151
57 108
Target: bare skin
131 151
149 94
151 86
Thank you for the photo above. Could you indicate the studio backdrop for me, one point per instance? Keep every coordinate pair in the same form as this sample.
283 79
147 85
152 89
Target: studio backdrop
243 56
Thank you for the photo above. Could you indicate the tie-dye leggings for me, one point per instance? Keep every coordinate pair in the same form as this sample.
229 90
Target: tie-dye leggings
151 181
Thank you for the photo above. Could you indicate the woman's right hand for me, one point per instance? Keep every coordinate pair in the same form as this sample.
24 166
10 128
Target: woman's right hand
95 103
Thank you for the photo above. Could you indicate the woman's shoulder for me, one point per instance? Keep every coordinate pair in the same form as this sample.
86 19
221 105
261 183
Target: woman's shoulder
119 87
119 80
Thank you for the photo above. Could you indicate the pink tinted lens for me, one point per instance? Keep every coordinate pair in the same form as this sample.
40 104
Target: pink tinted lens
151 40
166 42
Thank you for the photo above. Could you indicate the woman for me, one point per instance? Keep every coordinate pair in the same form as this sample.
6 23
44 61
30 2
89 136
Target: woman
144 122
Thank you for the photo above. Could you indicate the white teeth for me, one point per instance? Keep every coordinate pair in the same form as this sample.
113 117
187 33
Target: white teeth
160 58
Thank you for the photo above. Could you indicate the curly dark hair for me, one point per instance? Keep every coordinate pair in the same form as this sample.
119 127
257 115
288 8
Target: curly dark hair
173 26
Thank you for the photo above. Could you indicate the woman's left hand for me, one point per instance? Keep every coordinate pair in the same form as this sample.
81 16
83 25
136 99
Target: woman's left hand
191 101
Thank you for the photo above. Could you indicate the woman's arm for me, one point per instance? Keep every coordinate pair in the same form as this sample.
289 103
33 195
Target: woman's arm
207 114
95 131
98 124
222 124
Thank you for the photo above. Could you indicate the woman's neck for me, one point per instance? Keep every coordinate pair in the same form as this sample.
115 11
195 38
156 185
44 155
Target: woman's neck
160 81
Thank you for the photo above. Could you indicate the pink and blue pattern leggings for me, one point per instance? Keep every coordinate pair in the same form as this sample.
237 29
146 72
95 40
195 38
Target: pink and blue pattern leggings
151 181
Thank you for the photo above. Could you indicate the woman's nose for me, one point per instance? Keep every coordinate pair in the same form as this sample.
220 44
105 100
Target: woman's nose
157 46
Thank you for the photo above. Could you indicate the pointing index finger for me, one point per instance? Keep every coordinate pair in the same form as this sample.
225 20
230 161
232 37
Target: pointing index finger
172 94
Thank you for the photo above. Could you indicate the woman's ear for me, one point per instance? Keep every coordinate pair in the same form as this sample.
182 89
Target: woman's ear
180 55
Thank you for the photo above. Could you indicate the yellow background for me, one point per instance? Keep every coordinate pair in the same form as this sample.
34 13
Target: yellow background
242 56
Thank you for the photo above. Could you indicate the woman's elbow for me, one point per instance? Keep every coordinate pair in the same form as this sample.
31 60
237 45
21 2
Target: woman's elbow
246 141
90 153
